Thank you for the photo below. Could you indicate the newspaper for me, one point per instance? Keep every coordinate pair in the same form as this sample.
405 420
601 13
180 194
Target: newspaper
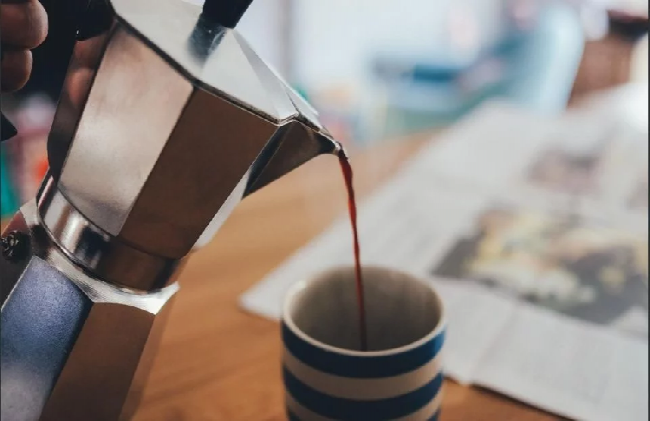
534 231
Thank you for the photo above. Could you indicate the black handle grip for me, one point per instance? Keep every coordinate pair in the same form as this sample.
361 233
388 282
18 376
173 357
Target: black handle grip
225 12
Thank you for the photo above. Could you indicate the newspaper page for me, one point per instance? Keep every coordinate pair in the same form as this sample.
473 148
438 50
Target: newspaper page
546 290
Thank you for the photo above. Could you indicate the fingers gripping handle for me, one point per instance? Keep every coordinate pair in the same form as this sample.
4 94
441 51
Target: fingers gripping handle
77 7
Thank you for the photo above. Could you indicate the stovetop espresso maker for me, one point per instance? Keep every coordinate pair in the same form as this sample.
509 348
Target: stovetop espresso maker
167 119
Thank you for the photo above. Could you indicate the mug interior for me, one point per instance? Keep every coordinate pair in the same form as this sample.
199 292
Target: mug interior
400 309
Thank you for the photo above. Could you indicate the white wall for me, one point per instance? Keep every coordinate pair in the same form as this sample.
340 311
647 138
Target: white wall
261 28
333 40
336 38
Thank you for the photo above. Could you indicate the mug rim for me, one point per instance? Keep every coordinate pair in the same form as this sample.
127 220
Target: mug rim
322 277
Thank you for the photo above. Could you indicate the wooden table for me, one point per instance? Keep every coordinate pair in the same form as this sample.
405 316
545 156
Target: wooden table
218 363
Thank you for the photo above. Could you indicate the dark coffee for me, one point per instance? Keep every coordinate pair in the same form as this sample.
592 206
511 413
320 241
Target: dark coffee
346 168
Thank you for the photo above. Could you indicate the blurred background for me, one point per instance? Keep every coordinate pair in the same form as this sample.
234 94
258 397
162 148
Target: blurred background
379 69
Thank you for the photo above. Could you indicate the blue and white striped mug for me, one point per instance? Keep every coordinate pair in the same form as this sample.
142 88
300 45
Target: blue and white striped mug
328 377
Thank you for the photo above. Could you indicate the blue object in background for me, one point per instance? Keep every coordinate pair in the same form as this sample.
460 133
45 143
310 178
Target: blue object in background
544 65
535 68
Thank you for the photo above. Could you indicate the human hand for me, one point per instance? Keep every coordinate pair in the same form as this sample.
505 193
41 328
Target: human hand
23 26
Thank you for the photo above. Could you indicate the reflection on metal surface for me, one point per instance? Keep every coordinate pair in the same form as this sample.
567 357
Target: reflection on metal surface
211 148
97 291
131 110
71 345
276 88
81 72
98 252
227 207
287 150
178 112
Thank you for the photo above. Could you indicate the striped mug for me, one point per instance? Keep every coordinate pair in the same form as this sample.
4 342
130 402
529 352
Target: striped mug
327 376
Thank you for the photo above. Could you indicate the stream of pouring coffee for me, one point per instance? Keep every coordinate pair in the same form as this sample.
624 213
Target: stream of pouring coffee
346 168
